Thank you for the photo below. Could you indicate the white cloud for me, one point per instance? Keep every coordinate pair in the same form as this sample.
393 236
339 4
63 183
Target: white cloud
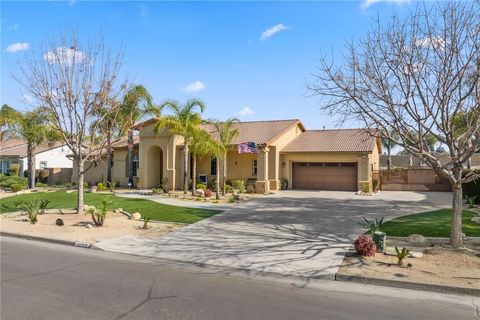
245 112
434 42
65 56
16 47
194 87
27 99
273 30
368 3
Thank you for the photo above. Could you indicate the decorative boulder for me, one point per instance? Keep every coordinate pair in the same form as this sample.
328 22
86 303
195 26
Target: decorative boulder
416 238
476 220
59 222
136 216
200 192
89 226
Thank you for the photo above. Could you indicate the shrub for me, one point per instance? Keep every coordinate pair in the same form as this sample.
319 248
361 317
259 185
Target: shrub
201 186
239 185
375 184
42 175
401 254
164 185
228 182
372 225
32 207
228 188
365 246
101 186
15 187
208 193
283 184
7 181
365 187
231 199
40 185
471 201
99 215
157 191
14 169
113 185
250 188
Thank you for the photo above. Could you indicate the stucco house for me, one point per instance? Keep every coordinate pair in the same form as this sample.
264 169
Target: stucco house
339 159
14 151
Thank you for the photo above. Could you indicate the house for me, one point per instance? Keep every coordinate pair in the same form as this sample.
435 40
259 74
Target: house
14 151
340 159
410 161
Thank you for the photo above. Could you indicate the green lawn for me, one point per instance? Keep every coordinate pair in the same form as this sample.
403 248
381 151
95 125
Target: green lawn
430 224
147 208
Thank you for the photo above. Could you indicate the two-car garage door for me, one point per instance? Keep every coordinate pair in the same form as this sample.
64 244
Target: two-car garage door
341 176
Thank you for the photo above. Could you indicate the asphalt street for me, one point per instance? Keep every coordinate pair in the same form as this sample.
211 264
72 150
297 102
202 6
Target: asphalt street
49 281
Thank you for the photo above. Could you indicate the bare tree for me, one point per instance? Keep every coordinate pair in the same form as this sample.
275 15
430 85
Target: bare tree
415 74
76 82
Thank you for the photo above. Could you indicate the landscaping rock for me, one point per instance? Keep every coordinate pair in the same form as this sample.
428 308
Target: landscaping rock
416 254
59 222
136 216
89 226
200 192
416 238
476 220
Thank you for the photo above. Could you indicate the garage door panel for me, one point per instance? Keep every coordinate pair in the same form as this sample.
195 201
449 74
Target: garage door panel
325 176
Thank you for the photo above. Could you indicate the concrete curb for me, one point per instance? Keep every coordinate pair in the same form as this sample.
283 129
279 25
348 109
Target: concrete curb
408 285
80 244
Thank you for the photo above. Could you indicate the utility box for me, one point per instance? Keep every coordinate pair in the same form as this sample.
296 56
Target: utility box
380 239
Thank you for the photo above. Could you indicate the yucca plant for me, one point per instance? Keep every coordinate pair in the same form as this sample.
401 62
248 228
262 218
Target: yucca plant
99 215
372 225
31 207
471 201
43 206
401 254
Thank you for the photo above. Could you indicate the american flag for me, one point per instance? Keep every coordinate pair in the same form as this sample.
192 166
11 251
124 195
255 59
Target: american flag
247 147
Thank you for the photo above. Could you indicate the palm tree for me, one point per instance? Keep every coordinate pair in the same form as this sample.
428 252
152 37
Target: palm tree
389 145
183 121
225 132
201 144
32 126
8 118
137 102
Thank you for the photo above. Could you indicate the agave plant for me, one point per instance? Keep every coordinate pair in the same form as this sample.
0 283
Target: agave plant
401 254
372 225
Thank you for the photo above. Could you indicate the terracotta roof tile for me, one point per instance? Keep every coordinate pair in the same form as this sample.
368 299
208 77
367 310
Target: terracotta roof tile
338 140
260 132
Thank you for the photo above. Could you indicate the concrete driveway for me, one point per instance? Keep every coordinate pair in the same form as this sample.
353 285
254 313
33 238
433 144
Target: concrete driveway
298 233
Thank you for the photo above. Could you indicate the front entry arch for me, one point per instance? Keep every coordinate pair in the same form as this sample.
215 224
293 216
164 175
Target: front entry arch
154 168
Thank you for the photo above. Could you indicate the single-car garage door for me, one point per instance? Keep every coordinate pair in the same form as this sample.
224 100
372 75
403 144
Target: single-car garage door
341 176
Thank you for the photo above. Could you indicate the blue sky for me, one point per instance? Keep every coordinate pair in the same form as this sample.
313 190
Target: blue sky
250 60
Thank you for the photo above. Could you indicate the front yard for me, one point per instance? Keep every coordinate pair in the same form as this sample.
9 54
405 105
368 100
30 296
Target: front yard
147 208
431 224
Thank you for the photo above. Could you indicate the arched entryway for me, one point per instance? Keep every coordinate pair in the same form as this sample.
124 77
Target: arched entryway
154 167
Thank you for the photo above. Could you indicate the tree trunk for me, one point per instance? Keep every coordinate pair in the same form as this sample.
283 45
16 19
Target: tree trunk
217 182
224 174
130 156
194 174
456 230
81 178
185 168
109 158
389 158
31 166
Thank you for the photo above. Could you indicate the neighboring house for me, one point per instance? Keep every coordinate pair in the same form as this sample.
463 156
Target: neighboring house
407 161
14 151
307 159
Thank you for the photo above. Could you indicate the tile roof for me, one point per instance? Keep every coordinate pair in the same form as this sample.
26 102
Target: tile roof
18 148
260 132
122 142
337 140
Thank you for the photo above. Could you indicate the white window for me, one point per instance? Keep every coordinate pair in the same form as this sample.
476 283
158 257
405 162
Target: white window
43 164
254 167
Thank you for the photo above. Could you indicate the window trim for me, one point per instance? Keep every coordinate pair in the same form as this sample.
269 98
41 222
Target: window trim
43 167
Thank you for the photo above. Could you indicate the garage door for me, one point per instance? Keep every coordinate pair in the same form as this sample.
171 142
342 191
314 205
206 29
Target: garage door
339 176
